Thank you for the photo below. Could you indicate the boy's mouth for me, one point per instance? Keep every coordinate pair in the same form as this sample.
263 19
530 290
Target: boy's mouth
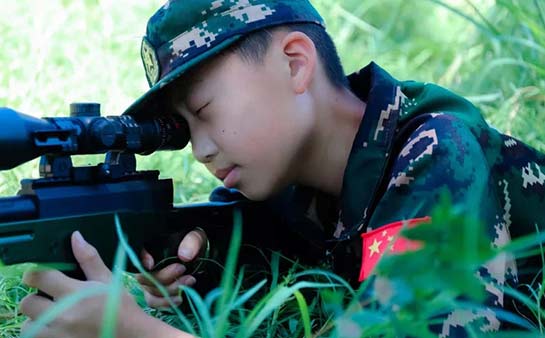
230 176
222 173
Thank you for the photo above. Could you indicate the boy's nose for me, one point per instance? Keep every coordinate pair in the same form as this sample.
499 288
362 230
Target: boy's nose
204 149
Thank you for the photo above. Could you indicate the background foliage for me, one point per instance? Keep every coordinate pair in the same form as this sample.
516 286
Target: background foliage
62 51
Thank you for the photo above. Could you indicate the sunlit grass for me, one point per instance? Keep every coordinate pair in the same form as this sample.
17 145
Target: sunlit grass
11 292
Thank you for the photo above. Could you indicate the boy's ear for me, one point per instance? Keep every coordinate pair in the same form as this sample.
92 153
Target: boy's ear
302 57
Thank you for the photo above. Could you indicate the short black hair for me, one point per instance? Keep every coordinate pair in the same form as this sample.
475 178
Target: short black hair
254 46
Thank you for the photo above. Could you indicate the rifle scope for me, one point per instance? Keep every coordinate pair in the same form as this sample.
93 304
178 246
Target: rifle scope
23 137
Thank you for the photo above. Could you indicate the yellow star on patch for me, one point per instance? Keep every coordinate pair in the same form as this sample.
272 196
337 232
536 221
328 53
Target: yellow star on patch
374 248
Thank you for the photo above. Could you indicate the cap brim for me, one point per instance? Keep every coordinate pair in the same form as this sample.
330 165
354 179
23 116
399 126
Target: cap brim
151 103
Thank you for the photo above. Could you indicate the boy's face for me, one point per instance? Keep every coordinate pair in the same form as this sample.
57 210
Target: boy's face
250 123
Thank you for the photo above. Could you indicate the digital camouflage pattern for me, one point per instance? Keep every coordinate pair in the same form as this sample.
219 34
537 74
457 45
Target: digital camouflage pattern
417 140
183 33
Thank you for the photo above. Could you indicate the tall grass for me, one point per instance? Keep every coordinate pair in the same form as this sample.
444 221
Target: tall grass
57 52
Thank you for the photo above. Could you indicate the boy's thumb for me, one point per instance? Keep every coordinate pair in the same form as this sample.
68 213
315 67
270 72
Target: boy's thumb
191 245
89 260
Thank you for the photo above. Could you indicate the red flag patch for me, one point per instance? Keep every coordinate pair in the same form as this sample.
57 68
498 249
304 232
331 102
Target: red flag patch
386 239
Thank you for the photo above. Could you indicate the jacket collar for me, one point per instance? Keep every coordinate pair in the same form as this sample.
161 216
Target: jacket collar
368 158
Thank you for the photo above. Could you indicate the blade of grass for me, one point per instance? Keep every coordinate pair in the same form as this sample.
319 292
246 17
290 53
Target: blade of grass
483 18
486 30
115 290
227 279
136 262
330 276
201 312
248 294
305 317
272 301
541 11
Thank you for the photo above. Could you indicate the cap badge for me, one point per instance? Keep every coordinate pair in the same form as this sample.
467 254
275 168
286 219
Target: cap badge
151 65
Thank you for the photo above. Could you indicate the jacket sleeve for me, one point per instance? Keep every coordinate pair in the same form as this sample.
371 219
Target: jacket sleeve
443 155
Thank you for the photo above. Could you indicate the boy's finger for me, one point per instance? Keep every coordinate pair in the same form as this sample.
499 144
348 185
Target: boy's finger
147 259
52 282
187 280
191 245
28 325
172 289
166 276
33 305
89 260
170 274
143 280
159 302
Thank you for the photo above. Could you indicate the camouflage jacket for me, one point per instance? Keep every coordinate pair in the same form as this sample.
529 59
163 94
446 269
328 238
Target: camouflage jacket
416 140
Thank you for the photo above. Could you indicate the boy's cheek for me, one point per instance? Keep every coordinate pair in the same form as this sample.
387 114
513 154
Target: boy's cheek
260 187
210 168
252 188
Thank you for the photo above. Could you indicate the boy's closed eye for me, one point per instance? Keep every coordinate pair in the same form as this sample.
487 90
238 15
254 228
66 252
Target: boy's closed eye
199 111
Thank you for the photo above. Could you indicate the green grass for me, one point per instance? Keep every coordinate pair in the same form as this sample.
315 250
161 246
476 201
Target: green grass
489 51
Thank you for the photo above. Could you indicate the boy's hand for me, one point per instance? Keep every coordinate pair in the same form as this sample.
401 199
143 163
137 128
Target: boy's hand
86 317
173 276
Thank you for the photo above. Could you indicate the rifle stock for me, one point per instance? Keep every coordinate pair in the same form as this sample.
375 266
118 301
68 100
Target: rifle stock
47 240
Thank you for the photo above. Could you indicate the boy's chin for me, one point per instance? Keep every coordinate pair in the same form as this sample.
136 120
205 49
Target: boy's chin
255 195
259 193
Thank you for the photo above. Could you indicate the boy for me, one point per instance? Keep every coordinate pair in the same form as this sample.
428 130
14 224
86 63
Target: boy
267 104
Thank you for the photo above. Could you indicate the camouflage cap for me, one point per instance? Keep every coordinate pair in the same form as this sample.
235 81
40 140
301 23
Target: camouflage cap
183 33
